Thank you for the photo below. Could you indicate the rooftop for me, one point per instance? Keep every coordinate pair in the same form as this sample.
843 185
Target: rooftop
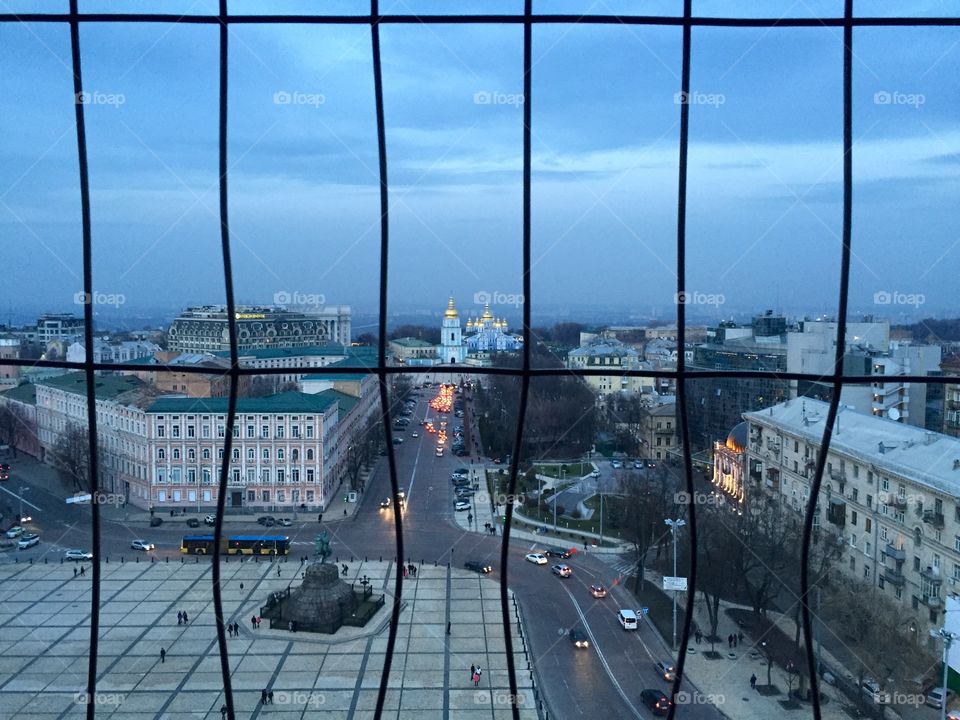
605 348
905 450
289 352
106 387
25 393
412 342
287 402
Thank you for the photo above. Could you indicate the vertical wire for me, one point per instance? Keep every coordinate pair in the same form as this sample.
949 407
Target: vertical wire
525 377
89 375
382 350
234 364
681 342
840 352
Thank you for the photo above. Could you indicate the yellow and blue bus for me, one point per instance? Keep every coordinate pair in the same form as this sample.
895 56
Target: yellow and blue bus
237 545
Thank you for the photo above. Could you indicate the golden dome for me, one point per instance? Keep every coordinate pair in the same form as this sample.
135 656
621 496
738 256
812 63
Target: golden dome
451 311
487 315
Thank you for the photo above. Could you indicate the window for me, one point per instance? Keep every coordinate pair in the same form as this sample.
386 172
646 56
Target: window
281 475
191 431
161 431
280 454
265 431
175 431
294 455
250 453
309 475
206 453
161 454
309 453
309 431
265 452
250 431
176 453
853 517
191 454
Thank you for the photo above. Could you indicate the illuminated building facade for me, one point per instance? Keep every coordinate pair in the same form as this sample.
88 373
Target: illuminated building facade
729 463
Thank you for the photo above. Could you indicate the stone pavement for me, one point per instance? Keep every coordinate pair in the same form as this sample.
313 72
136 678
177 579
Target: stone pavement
44 614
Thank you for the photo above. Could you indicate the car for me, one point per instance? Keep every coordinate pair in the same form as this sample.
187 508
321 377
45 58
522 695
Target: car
460 472
579 638
439 452
28 540
627 619
4 471
77 555
385 504
156 521
616 464
193 522
934 697
665 670
871 689
478 567
464 490
595 474
398 441
562 570
598 591
15 531
415 434
461 505
656 701
536 558
264 518
143 545
637 465
210 520
271 522
557 552
284 522
25 519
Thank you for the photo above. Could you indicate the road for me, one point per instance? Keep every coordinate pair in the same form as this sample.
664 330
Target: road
603 681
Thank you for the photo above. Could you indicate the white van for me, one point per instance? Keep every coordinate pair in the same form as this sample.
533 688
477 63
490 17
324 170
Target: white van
627 619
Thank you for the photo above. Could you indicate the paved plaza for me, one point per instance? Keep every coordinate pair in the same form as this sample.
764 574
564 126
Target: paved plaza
44 615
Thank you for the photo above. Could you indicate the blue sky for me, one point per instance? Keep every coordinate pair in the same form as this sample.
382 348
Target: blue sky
764 195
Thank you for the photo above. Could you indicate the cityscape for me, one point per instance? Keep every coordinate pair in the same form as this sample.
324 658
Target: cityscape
518 359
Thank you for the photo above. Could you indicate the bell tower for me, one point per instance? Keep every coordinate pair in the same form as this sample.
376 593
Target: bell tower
452 350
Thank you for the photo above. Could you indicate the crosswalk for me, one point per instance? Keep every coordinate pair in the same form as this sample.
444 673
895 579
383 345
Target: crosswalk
622 564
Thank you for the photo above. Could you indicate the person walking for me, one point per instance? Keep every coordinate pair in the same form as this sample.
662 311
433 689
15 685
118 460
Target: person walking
473 670
278 570
698 636
179 618
81 569
734 641
223 712
740 638
753 681
270 697
263 696
476 679
163 656
258 621
74 571
253 622
229 630
184 617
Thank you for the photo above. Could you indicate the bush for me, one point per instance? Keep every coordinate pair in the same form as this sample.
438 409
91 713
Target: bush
561 510
576 514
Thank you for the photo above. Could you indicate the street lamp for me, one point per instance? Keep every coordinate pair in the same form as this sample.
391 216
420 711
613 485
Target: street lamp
23 489
948 638
674 525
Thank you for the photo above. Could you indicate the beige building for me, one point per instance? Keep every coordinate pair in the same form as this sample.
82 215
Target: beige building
890 494
658 428
613 356
410 350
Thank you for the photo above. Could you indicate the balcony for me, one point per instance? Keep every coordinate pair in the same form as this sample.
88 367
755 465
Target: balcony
837 512
838 475
931 601
898 554
932 517
897 501
894 577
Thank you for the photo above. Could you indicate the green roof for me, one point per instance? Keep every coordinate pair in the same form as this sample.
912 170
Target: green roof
345 364
107 387
25 393
346 402
412 342
287 402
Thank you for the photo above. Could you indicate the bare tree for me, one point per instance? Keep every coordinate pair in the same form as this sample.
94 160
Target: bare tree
646 505
71 454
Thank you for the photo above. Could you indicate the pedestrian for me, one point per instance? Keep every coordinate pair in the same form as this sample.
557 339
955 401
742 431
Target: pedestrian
319 517
734 640
698 636
448 627
476 679
229 630
344 512
223 711
473 670
730 641
236 629
81 569
74 571
278 571
163 656
253 622
184 617
270 697
179 618
263 696
405 571
290 626
753 682
740 638
258 621
241 586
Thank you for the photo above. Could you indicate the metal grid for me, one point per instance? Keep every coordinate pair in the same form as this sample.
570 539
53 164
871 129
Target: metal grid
528 19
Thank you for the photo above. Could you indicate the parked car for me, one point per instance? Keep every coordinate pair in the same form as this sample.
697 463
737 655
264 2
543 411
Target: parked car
562 570
156 521
270 522
595 474
665 670
934 697
537 558
262 520
557 552
193 522
15 532
461 505
143 545
284 522
637 465
478 566
28 540
4 471
210 520
656 701
871 688
579 638
598 591
78 555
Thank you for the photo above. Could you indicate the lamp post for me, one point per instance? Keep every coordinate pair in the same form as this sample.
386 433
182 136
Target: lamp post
23 489
948 638
674 525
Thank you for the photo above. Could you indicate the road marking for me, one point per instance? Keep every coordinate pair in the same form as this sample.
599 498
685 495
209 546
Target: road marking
606 666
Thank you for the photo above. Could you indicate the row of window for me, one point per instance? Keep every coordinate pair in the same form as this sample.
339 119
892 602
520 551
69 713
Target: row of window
177 496
296 431
176 475
175 454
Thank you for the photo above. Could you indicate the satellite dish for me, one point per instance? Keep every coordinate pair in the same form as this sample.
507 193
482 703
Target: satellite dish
893 414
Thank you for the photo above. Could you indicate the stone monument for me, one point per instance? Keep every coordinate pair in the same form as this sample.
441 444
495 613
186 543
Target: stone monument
323 600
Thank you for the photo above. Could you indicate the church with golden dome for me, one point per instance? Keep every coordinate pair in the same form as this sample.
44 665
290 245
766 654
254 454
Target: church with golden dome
487 334
451 350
